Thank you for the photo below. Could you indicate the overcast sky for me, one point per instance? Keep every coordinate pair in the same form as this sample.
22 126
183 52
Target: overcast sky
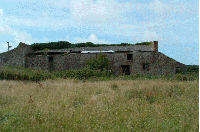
173 23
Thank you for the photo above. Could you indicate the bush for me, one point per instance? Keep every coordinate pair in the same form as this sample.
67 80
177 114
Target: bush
192 68
84 73
101 62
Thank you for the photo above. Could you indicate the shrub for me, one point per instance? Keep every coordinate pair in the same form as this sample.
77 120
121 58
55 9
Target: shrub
83 73
101 62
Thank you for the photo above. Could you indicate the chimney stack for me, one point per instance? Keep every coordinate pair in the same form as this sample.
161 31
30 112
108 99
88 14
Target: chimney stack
155 45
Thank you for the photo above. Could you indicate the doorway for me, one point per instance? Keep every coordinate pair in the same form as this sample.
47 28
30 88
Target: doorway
126 69
51 64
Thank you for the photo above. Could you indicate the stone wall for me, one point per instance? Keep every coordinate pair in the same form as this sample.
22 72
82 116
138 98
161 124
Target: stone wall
15 57
142 62
177 64
59 61
37 62
67 61
158 63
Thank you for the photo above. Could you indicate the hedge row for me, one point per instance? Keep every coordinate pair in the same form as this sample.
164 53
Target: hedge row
84 73
9 73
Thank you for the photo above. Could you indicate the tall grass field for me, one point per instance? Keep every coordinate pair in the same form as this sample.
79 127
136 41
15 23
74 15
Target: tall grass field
90 105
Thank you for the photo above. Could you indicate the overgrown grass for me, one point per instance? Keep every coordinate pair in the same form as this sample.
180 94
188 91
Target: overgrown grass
117 105
13 73
178 77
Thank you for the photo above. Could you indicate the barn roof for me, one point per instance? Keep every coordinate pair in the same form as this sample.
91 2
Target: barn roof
109 51
104 48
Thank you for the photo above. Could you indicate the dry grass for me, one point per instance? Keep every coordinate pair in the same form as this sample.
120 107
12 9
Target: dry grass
118 105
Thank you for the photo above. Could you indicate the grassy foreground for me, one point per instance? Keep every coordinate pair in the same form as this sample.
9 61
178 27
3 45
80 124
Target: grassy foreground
117 105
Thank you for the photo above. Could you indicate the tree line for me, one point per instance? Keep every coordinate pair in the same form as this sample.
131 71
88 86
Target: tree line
66 45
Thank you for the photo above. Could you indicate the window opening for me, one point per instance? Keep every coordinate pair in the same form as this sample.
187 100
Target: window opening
50 59
129 56
178 70
146 66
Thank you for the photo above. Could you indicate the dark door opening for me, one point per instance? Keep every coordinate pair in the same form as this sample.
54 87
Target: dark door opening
51 64
126 69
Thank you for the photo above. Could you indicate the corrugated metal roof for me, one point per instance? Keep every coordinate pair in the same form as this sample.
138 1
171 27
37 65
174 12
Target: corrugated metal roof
109 51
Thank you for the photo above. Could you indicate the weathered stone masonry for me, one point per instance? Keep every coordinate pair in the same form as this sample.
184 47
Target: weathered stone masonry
136 59
15 57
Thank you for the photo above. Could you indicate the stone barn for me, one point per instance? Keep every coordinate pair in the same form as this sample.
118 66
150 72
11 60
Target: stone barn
128 60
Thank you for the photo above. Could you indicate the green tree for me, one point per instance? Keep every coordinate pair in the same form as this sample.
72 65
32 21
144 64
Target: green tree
101 62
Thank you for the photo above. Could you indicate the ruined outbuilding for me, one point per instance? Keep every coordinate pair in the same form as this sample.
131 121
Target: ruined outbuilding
128 60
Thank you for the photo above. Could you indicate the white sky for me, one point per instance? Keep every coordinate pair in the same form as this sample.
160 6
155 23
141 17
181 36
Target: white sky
173 23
